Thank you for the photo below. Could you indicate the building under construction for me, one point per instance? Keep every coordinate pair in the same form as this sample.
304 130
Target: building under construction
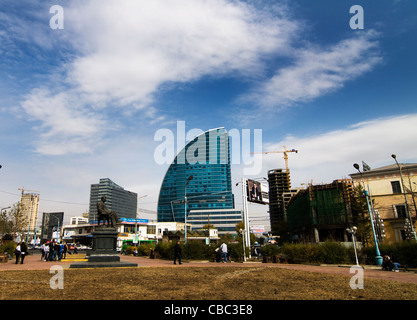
321 212
280 193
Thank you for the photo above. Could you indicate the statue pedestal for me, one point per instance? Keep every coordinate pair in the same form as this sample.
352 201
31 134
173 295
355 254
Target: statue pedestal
104 246
104 253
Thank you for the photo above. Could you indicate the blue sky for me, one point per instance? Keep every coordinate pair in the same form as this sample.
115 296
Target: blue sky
84 102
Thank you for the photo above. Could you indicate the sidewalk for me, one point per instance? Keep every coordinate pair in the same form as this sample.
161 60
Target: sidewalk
33 262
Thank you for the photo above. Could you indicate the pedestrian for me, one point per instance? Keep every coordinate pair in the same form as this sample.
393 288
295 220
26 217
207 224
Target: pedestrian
223 249
394 265
46 249
51 251
23 251
64 251
57 248
42 251
177 253
17 252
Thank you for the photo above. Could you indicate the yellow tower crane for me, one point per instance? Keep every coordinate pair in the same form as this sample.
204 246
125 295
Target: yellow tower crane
285 152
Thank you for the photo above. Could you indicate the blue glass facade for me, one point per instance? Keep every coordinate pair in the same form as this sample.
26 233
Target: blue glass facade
207 159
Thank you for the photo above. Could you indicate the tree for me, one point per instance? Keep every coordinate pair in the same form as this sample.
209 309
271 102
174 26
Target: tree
14 221
360 216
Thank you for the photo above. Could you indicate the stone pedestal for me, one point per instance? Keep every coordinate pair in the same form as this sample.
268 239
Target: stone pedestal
104 246
103 253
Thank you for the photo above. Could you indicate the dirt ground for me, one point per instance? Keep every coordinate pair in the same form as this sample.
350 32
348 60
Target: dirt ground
202 283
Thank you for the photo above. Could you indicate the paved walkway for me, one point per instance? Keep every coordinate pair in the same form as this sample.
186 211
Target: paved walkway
33 262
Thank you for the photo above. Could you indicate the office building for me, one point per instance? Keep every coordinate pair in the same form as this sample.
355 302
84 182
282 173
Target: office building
207 160
122 201
51 226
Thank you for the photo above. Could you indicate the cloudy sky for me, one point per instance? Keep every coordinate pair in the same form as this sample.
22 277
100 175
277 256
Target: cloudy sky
84 91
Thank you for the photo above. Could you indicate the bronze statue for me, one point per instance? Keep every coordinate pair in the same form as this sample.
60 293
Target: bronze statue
105 214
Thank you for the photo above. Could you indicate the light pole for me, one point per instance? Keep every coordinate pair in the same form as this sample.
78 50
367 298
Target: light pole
242 231
136 220
185 207
352 231
407 212
378 254
245 211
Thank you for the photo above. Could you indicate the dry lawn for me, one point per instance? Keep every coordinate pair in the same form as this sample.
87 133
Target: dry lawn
203 283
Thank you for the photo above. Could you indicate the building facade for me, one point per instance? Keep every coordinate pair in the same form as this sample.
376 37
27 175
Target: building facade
393 198
201 175
122 201
30 207
321 212
51 226
279 194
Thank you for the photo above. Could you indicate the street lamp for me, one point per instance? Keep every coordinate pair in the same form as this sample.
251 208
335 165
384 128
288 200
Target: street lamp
352 231
408 220
185 207
378 254
242 232
245 211
136 220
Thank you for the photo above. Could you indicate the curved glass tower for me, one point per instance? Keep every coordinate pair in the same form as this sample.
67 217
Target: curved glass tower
207 159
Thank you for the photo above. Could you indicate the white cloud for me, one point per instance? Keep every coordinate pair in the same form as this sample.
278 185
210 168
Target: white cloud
318 71
331 155
125 53
129 51
66 127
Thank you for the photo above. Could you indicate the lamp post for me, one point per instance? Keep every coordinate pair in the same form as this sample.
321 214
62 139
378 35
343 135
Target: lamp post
136 220
246 233
378 254
408 221
352 231
185 207
242 232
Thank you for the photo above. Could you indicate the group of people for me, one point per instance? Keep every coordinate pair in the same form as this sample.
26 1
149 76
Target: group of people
21 252
54 251
389 265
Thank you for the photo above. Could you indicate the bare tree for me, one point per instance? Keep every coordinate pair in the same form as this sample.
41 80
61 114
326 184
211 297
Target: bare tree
13 222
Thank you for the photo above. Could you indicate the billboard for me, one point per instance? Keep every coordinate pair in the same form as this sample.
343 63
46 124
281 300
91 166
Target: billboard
257 192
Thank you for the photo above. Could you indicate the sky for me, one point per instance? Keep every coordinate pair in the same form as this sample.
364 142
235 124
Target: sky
88 88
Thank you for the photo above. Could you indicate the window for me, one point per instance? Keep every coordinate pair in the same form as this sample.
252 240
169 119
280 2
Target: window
396 187
400 211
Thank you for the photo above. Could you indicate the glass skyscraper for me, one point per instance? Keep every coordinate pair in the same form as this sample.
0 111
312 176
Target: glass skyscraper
207 159
123 202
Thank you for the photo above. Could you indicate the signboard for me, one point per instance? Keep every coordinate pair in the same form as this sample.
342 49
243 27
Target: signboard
257 192
257 229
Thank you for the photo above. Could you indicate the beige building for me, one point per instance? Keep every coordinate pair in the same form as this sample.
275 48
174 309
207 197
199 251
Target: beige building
30 208
393 202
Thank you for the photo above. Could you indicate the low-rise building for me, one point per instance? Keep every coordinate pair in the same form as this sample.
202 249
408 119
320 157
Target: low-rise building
393 198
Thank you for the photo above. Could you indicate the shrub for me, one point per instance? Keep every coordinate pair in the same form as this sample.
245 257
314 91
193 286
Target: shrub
165 249
8 247
403 252
333 252
269 250
327 252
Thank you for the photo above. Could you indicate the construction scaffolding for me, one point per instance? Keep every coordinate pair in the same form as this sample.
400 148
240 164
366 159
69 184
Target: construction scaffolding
321 210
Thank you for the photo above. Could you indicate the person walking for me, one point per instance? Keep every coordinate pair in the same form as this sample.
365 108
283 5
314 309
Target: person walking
17 252
223 249
65 249
177 253
42 251
23 251
46 249
51 251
